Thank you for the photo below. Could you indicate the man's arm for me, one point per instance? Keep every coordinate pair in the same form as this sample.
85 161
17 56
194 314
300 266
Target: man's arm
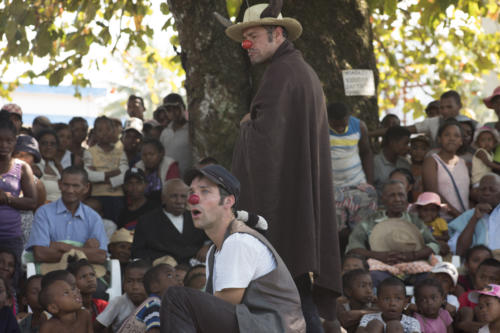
464 241
231 295
47 254
94 255
365 153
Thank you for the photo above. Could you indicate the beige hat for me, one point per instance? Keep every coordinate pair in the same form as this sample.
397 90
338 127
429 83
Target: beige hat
122 235
45 268
252 18
169 260
133 123
396 235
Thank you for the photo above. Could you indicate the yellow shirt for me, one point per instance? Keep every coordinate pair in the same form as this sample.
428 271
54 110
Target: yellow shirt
438 226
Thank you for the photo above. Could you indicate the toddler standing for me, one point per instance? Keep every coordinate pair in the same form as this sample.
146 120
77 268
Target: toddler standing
486 140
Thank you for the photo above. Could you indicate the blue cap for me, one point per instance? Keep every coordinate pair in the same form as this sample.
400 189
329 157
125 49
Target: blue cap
28 144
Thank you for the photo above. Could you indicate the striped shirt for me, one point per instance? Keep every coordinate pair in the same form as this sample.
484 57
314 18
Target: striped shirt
346 163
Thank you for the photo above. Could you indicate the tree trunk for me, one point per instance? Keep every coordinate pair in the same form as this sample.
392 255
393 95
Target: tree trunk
337 35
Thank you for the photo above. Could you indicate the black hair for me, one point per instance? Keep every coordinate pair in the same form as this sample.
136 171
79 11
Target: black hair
174 98
471 125
391 282
337 111
395 133
45 298
59 126
349 277
356 256
47 131
208 160
470 251
76 170
50 277
75 266
270 29
103 118
182 267
432 105
490 262
11 252
452 94
388 116
428 282
24 290
133 97
192 278
156 113
6 123
75 120
407 173
192 272
155 143
137 264
154 273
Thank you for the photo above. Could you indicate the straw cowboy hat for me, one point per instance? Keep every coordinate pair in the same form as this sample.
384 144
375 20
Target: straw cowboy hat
396 235
253 17
45 268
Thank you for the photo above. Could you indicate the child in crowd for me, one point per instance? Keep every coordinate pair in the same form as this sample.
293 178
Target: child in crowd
354 261
430 297
391 299
419 146
132 139
486 140
109 226
106 164
64 303
119 308
488 300
468 150
390 120
472 258
158 168
32 322
196 277
428 206
8 321
48 170
64 136
146 318
86 282
432 109
8 264
181 271
405 177
446 174
358 287
447 274
394 150
119 246
79 128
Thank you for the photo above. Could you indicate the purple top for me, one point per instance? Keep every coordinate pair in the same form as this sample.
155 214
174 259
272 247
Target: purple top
10 219
437 325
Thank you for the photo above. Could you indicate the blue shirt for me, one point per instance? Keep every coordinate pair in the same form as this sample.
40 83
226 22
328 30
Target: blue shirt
53 222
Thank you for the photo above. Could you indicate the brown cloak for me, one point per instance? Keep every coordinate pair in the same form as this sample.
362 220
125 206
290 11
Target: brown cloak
282 159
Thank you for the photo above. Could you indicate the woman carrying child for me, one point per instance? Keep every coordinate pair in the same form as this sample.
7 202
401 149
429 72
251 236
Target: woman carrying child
486 140
445 173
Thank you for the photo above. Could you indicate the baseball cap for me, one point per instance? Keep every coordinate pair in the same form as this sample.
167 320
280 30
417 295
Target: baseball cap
217 174
136 173
133 124
122 235
28 144
427 198
446 268
489 290
13 108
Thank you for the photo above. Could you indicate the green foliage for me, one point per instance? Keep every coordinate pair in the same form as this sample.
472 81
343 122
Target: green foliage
433 45
61 33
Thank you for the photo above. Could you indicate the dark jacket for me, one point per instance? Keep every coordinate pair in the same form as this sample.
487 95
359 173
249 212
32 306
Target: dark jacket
282 159
155 236
271 303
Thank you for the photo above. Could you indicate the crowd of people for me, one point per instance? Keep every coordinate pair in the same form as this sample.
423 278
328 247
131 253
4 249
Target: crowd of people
414 217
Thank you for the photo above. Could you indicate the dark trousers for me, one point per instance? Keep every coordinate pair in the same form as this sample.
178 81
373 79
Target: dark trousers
309 309
189 310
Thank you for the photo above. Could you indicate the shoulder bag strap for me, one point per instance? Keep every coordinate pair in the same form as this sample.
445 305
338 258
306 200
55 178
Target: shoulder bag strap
453 182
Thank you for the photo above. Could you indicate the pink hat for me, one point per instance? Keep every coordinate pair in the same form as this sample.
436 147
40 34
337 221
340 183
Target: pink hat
489 290
427 198
483 129
13 108
487 100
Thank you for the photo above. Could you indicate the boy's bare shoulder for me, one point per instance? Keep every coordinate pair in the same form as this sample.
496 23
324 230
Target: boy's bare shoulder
83 323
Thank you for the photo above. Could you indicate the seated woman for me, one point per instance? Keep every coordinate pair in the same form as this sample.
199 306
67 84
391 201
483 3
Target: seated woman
49 169
158 168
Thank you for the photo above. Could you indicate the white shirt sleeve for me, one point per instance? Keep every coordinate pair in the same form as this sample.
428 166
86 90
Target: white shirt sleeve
109 314
242 259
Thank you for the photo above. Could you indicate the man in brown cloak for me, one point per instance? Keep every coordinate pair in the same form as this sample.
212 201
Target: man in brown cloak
282 158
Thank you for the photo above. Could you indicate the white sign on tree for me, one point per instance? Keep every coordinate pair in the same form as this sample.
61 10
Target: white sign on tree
358 82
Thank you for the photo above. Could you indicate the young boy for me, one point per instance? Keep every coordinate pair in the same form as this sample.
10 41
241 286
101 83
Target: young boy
358 291
146 318
65 305
391 299
32 322
447 274
394 150
119 308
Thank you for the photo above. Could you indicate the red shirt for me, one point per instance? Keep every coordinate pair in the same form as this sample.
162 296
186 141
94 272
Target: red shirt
464 300
98 305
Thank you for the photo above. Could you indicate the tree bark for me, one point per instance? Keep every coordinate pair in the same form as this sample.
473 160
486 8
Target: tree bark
220 81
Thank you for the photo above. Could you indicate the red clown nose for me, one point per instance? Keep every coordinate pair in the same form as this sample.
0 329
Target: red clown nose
193 199
246 44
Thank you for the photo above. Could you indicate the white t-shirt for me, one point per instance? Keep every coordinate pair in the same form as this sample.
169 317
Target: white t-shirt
242 259
484 329
410 324
115 313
